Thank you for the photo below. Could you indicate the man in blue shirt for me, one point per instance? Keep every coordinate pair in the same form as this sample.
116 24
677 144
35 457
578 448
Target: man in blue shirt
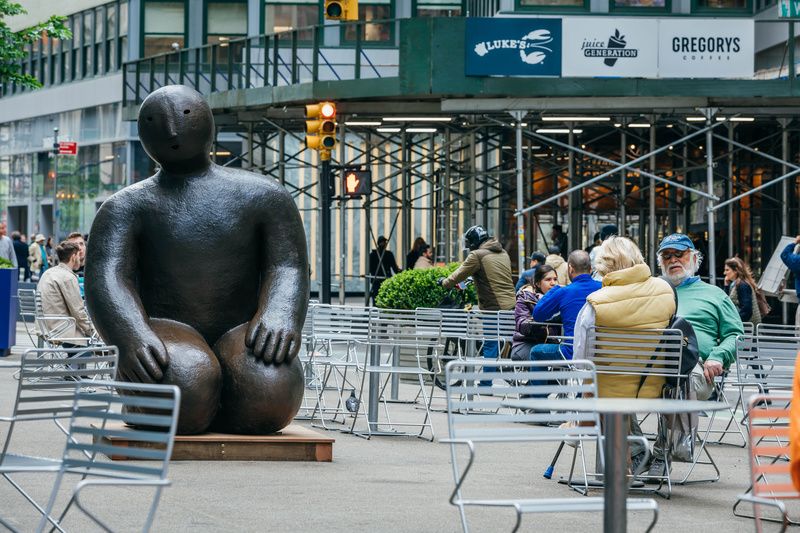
792 260
537 258
567 301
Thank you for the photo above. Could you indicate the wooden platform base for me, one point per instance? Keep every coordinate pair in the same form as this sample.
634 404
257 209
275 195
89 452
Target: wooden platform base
293 443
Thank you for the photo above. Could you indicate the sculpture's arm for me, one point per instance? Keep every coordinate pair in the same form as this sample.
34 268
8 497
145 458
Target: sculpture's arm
114 305
274 333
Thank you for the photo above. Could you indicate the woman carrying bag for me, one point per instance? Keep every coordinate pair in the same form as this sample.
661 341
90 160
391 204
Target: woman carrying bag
742 290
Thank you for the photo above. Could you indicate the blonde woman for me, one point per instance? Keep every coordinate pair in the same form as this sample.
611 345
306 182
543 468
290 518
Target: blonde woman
631 298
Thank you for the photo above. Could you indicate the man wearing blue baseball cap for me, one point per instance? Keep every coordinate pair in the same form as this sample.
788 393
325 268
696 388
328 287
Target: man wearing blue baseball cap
707 308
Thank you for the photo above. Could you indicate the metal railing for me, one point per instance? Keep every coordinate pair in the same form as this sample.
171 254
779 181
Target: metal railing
273 60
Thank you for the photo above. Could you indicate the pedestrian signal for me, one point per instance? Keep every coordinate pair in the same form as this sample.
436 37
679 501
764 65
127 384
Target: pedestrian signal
341 9
356 183
321 127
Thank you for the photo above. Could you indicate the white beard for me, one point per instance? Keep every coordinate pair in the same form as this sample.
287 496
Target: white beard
678 278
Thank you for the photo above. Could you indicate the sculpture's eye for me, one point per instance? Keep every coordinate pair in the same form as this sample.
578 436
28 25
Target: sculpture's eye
149 119
185 111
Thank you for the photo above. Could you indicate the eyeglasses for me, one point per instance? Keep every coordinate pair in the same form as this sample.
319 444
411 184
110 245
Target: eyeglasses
666 256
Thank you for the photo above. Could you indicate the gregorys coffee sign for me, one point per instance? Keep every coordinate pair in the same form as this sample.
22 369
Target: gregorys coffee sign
706 49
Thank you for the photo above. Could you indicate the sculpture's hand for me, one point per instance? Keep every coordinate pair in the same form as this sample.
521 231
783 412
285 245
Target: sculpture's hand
273 341
144 359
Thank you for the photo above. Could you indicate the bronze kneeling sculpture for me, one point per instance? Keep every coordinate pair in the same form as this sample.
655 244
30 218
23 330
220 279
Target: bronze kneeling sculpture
199 275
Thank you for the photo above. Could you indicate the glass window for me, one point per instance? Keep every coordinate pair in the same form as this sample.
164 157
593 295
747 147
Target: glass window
163 27
551 3
438 8
123 18
285 17
379 32
164 17
640 3
111 21
98 25
227 18
722 4
439 11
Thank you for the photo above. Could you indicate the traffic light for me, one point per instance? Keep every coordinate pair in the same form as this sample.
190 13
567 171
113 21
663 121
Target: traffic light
356 183
341 9
321 127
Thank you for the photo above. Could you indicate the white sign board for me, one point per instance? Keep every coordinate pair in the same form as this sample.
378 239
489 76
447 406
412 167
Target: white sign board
610 47
775 272
709 48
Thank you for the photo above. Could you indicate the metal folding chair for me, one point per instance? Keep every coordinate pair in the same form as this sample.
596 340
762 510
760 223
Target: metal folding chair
476 419
338 333
390 332
641 354
90 451
722 385
778 330
306 356
27 310
770 478
46 389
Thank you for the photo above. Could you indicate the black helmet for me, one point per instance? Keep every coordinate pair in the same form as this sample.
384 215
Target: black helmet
475 236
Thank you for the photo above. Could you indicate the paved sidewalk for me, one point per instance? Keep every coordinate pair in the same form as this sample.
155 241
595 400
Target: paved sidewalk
387 483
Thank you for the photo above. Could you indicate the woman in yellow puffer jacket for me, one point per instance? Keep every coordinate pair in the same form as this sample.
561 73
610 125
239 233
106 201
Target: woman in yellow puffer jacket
631 298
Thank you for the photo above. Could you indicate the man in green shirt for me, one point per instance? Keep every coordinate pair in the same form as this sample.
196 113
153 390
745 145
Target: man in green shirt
707 308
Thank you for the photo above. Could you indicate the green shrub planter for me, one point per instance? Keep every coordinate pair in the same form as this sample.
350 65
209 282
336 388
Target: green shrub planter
411 289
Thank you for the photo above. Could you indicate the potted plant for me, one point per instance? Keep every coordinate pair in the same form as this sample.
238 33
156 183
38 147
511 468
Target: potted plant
411 289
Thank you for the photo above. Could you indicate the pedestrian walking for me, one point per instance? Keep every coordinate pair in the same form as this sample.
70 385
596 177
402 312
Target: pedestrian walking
6 246
382 265
21 251
415 252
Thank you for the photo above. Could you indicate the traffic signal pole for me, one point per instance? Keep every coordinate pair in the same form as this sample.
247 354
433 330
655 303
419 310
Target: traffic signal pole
325 226
56 227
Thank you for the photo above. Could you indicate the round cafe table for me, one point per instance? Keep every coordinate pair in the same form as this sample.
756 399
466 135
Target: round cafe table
615 413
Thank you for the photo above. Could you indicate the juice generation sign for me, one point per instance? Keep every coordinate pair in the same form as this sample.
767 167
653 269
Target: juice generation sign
610 47
513 47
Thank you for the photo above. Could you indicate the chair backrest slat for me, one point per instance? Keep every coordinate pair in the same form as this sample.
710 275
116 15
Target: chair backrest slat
770 473
767 361
645 352
151 437
474 414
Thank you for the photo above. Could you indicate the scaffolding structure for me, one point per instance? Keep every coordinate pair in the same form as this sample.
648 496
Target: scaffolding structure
727 177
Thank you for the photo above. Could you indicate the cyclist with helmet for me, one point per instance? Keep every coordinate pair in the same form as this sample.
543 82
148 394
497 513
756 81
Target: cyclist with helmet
490 268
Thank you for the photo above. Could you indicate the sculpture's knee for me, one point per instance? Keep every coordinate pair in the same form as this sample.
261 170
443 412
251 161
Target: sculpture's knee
194 368
256 398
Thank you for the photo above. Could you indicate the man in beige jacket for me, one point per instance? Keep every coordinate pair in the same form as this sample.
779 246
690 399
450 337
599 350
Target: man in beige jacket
61 295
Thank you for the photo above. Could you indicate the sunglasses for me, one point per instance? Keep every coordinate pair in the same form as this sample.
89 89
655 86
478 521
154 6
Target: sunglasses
666 256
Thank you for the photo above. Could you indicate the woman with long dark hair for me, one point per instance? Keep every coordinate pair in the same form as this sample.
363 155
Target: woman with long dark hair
529 334
742 290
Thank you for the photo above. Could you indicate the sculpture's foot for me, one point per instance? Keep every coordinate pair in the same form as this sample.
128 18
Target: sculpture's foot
194 368
257 398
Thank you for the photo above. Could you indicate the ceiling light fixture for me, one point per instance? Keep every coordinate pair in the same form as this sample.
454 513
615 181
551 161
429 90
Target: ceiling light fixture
695 119
576 119
639 125
421 130
362 123
417 119
742 119
558 130
388 130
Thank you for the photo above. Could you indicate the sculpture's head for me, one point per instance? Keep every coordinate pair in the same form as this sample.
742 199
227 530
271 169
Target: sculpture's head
177 128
